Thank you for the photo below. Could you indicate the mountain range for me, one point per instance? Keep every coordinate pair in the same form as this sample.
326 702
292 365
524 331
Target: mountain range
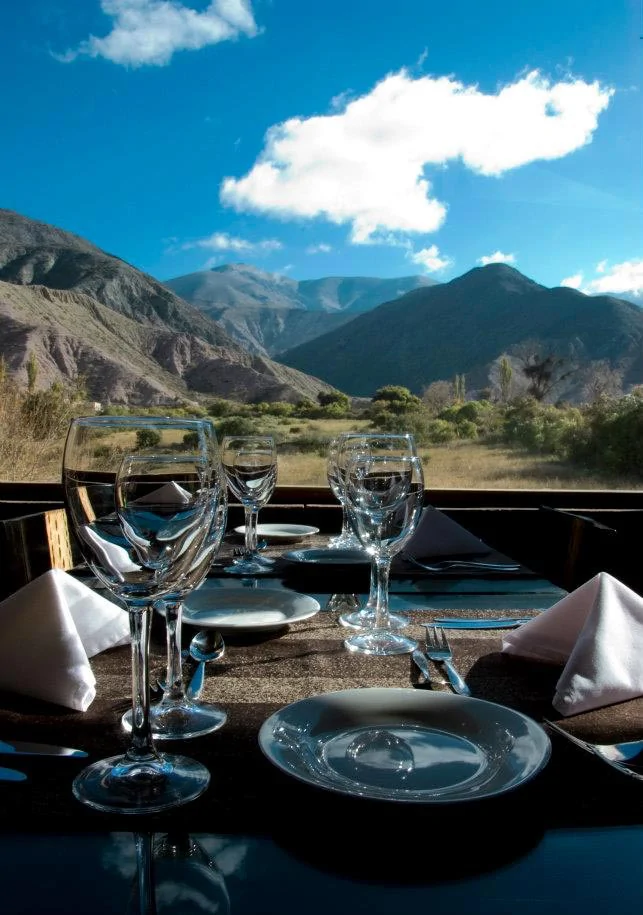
268 313
463 326
82 311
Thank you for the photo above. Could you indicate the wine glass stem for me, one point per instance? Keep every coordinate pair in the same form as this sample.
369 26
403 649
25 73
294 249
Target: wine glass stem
145 879
174 689
141 747
347 530
381 568
251 529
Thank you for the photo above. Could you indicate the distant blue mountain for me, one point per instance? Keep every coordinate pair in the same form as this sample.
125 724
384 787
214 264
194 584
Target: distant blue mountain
267 313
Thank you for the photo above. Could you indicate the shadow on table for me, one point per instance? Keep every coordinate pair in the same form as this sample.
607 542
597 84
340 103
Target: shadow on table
411 843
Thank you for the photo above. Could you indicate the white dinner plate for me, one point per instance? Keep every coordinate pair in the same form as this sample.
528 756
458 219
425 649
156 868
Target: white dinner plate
287 533
405 745
327 555
240 608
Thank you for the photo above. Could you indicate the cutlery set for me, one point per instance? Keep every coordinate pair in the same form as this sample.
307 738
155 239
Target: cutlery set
438 650
28 748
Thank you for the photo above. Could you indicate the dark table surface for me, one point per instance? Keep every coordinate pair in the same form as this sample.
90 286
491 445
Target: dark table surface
258 841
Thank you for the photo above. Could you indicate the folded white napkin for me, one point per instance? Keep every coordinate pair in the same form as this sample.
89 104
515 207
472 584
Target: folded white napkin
49 630
439 535
169 492
596 632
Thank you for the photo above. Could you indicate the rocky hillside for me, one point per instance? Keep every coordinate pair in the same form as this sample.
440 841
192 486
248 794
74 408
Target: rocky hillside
268 313
82 311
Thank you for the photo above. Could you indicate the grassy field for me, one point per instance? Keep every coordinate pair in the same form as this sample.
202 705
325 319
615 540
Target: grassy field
459 465
462 465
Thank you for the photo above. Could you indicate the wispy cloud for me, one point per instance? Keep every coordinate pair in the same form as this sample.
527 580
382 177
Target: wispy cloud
221 241
365 165
626 277
151 31
430 259
498 257
321 248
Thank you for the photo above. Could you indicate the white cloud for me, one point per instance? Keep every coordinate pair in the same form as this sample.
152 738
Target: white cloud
321 248
574 282
625 277
221 241
151 31
430 259
364 165
497 258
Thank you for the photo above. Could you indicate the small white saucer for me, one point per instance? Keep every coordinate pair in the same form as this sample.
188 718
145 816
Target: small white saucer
286 533
242 609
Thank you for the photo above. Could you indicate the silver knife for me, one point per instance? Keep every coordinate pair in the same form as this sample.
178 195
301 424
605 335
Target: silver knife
459 623
11 775
422 664
25 748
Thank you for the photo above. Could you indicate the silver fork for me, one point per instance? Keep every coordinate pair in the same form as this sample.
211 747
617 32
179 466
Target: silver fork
438 649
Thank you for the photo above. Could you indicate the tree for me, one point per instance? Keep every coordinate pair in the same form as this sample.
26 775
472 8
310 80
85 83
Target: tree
437 396
543 369
505 373
602 381
339 402
459 388
32 373
396 399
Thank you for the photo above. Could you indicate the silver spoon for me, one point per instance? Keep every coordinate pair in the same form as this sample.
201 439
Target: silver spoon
627 757
207 645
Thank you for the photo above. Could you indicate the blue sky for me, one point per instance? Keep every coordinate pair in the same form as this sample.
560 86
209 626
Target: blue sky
349 137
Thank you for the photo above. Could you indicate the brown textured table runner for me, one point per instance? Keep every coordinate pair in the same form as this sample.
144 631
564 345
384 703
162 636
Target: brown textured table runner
261 674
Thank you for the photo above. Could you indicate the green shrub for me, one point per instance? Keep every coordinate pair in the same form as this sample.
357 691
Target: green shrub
235 425
440 432
147 438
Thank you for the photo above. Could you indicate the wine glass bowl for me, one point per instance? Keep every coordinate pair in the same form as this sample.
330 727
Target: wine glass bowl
336 472
250 467
139 497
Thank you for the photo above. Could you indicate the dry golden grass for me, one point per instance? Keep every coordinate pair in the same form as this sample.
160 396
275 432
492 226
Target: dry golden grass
469 465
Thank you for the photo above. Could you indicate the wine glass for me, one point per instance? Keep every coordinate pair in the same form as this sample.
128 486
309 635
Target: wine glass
385 496
175 716
352 444
250 467
139 495
335 471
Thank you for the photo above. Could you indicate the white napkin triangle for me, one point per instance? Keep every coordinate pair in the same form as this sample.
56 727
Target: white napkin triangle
438 535
50 628
596 632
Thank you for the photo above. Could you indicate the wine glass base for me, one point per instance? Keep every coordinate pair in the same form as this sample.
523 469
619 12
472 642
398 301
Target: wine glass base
380 642
250 565
180 719
119 785
344 542
365 619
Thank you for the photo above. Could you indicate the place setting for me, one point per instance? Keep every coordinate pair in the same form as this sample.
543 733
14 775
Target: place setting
326 691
